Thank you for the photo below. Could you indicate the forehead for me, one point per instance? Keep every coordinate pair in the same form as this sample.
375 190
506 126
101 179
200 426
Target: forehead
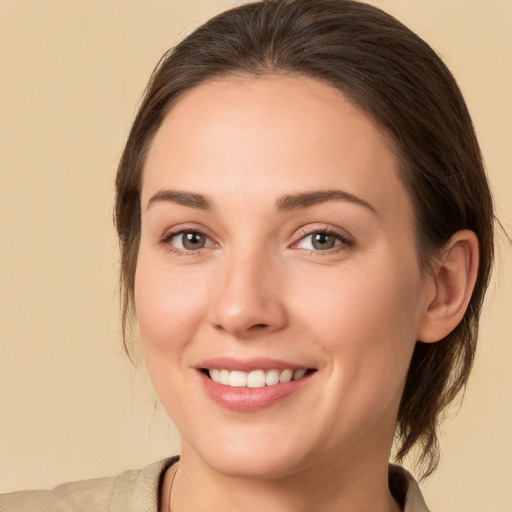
256 136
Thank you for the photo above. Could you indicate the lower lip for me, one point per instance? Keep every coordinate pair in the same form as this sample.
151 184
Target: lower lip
251 399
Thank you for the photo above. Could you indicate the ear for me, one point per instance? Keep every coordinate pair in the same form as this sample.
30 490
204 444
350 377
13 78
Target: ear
451 286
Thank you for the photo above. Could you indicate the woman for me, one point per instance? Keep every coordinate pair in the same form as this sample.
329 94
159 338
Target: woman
306 238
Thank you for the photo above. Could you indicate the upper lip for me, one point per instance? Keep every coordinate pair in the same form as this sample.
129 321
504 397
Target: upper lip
247 365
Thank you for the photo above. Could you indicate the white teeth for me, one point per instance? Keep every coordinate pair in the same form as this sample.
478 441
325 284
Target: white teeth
254 379
272 377
286 376
223 377
238 379
298 374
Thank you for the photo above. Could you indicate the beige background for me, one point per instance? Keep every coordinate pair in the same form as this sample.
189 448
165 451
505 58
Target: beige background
71 405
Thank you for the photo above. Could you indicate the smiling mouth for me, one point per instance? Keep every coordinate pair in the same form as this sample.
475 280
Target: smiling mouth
254 378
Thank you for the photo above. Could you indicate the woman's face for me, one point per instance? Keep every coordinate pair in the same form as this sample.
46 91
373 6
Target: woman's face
277 242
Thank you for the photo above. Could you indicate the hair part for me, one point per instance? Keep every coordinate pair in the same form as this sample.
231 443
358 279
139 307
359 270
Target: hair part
401 84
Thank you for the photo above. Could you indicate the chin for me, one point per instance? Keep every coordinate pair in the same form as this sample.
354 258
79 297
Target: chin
257 467
245 458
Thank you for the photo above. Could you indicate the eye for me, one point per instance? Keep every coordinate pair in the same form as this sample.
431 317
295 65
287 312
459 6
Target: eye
188 240
322 241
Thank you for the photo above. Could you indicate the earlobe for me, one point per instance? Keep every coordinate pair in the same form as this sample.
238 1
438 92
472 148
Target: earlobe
454 277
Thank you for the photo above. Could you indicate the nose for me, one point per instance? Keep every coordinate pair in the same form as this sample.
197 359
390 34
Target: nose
248 301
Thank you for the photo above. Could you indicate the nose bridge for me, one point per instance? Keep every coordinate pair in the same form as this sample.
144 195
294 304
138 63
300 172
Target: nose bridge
247 300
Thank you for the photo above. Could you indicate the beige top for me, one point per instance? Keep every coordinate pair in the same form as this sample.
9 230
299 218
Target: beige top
138 490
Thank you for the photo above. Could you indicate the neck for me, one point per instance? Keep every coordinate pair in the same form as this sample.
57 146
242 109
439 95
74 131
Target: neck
354 487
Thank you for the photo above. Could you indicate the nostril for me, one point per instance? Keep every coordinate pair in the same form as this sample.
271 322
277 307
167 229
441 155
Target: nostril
257 327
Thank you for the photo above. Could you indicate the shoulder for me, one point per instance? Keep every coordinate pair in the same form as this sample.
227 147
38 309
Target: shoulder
131 491
406 490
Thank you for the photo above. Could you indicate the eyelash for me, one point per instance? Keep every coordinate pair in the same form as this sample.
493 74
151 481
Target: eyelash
167 238
345 241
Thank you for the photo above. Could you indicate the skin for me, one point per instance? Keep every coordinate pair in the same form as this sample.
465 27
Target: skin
259 288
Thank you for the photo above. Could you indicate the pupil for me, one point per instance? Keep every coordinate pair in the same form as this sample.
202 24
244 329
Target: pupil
323 241
193 240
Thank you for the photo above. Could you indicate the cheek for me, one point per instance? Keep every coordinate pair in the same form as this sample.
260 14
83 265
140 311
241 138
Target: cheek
366 319
168 308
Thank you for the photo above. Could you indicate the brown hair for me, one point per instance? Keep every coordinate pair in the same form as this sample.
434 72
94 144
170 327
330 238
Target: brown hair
400 82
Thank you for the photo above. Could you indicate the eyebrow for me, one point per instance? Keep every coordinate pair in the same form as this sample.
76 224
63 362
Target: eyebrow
197 201
284 204
308 199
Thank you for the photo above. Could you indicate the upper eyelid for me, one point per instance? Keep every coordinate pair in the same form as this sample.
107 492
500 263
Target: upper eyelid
307 231
186 228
